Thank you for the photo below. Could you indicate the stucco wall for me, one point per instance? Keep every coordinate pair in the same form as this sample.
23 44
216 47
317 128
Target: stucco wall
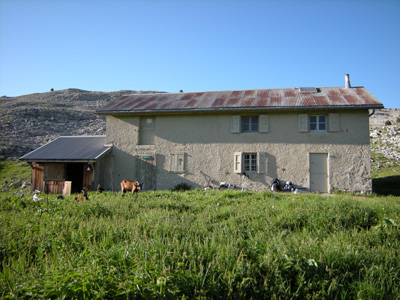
208 147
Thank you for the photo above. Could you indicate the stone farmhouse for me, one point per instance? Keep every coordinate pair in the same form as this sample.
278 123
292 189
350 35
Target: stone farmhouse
317 138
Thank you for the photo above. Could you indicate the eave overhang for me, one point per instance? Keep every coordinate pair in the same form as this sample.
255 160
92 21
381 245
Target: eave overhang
237 109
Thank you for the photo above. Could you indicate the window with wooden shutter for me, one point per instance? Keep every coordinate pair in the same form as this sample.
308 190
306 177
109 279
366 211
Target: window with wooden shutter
263 123
334 122
250 162
317 123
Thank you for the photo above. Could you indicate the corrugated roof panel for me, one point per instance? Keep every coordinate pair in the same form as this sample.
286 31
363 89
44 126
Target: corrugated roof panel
272 98
289 93
164 97
365 95
218 103
321 100
177 105
250 93
76 148
350 96
136 103
220 100
248 102
187 96
291 101
249 98
275 97
151 106
235 98
335 97
164 105
191 104
307 100
205 100
261 101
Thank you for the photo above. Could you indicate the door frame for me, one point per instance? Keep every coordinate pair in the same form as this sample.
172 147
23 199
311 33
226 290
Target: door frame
146 170
328 189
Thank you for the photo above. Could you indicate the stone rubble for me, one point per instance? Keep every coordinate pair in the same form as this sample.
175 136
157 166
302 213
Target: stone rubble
386 141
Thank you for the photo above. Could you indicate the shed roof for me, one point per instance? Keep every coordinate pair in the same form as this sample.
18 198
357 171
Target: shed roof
260 100
70 148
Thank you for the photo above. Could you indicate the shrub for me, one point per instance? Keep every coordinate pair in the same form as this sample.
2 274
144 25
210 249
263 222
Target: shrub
387 123
182 187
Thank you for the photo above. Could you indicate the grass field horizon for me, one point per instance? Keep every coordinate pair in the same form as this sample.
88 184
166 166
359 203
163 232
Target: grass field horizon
200 244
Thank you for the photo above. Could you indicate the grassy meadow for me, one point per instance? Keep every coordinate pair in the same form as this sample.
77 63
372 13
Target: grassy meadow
200 245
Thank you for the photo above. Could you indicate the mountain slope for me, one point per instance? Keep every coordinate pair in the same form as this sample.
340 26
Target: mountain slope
30 121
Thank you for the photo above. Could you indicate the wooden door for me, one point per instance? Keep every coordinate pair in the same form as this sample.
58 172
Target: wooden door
319 172
146 171
37 174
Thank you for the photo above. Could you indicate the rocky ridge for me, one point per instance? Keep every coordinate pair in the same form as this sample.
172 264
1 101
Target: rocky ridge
385 139
30 121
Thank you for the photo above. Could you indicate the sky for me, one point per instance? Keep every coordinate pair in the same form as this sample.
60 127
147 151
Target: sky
207 45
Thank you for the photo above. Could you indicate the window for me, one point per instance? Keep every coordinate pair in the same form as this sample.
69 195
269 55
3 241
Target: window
330 122
317 123
249 124
146 131
249 162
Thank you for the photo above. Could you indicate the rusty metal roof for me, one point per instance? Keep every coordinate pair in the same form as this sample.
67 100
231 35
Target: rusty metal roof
263 99
70 148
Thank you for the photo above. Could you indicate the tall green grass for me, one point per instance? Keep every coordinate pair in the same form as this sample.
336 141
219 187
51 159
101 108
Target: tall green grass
197 244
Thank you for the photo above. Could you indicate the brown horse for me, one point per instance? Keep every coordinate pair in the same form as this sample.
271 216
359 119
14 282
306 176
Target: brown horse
128 185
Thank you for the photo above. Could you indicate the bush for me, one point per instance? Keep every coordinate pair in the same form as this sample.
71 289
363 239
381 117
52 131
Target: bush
387 123
181 187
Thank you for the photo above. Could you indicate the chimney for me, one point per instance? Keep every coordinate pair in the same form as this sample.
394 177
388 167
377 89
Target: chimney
347 81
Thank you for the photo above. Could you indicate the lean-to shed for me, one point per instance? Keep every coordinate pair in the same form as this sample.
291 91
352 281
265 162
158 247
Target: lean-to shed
67 164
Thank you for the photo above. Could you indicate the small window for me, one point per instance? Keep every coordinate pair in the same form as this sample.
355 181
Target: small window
317 123
146 131
246 124
250 162
249 124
